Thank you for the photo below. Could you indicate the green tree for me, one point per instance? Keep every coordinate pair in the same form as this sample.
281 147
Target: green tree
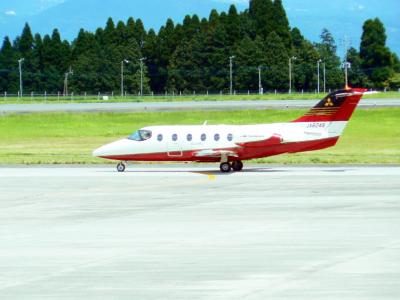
37 62
377 58
394 80
150 51
357 76
55 61
277 57
306 63
216 54
327 53
281 23
396 63
185 70
167 44
121 32
86 62
8 67
140 32
250 55
262 14
25 43
233 27
25 49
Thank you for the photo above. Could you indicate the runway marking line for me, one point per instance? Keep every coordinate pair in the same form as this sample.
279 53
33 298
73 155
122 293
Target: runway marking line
211 177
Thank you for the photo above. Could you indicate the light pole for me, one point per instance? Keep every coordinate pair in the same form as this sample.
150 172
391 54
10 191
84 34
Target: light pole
20 61
141 74
290 73
346 66
122 76
318 75
70 72
231 76
260 88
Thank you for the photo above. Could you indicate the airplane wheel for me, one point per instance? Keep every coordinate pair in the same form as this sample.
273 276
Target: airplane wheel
225 167
121 167
237 166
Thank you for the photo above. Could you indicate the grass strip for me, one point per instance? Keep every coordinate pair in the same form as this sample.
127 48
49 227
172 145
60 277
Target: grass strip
372 137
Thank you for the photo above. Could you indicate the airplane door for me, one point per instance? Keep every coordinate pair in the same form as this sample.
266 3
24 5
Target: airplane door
174 148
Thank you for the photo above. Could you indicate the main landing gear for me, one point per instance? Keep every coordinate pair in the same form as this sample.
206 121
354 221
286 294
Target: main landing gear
226 167
237 166
121 167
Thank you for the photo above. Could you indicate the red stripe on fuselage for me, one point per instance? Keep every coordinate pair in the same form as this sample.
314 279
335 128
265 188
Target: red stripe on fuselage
244 153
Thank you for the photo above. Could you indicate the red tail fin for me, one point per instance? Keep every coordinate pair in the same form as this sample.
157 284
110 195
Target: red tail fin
337 106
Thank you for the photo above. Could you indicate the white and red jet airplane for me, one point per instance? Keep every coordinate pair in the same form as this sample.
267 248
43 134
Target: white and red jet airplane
229 145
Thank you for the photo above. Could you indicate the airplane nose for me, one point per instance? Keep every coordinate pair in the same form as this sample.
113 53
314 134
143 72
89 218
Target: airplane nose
98 152
116 148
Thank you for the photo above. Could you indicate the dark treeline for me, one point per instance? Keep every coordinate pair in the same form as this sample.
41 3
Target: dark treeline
195 55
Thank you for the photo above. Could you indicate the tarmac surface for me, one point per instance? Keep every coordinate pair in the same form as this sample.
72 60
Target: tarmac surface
189 232
180 106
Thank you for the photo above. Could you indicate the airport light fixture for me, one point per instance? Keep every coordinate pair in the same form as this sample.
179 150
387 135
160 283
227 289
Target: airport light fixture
141 60
230 74
125 61
290 73
20 61
346 65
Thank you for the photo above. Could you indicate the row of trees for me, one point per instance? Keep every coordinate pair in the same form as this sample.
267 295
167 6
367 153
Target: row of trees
195 55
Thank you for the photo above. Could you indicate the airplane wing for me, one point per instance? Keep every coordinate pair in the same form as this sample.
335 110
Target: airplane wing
275 139
215 153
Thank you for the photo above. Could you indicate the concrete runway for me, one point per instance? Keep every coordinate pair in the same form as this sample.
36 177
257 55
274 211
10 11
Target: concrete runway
188 232
181 106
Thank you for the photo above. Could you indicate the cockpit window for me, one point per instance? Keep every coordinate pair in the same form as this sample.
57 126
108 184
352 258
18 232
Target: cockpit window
136 136
141 135
146 134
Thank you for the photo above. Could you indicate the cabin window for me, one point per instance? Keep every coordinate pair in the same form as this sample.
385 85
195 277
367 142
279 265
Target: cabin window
160 137
174 137
203 137
189 137
230 137
216 137
141 135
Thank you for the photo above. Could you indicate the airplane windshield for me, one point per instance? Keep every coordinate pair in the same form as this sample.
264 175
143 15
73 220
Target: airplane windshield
141 135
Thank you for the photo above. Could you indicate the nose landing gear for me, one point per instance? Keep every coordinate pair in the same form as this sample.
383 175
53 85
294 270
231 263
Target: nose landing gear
121 167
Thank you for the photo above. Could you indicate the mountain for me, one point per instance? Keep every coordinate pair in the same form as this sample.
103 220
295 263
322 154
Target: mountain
341 17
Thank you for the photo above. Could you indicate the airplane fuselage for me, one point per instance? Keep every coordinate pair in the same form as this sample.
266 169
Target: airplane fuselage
196 143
